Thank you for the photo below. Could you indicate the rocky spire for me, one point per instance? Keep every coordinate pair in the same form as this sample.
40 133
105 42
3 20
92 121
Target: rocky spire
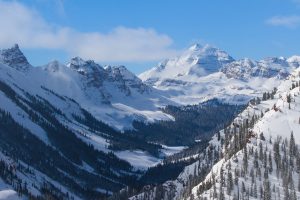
14 57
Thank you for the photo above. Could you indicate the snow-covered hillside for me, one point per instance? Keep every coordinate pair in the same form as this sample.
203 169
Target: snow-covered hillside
268 166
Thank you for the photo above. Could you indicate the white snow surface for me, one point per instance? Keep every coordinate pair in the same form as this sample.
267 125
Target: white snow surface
143 160
6 193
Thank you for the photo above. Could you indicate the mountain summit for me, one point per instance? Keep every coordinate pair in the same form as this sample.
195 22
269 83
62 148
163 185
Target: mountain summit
196 61
14 57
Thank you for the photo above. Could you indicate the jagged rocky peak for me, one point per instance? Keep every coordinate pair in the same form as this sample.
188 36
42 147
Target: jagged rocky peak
14 57
121 71
279 67
76 63
125 79
85 67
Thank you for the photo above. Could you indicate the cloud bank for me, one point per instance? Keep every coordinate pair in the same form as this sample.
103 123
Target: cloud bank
25 26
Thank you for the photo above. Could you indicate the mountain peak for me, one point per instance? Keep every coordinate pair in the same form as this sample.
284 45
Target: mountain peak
196 61
76 62
85 67
14 58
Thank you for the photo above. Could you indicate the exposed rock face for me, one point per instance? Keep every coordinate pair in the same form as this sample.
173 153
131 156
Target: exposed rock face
13 57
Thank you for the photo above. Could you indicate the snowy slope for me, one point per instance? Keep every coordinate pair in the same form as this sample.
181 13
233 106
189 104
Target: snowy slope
7 193
277 124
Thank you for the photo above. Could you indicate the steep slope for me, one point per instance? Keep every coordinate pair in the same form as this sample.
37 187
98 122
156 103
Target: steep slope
267 166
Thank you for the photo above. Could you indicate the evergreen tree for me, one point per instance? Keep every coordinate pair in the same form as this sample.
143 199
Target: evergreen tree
267 190
245 159
292 145
255 190
289 99
229 182
270 163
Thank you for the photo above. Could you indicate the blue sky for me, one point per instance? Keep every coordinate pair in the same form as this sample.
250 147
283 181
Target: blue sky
139 34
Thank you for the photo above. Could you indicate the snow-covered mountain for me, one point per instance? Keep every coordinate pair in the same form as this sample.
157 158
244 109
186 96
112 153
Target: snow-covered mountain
205 72
197 61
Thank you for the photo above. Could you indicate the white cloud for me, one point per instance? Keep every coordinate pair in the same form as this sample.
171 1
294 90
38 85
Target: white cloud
287 21
25 26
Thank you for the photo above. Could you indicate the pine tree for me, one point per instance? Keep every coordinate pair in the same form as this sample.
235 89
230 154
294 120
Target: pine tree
299 183
289 99
229 182
270 163
256 159
261 154
222 179
215 194
264 98
245 159
292 145
221 196
286 190
255 190
267 190
265 160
